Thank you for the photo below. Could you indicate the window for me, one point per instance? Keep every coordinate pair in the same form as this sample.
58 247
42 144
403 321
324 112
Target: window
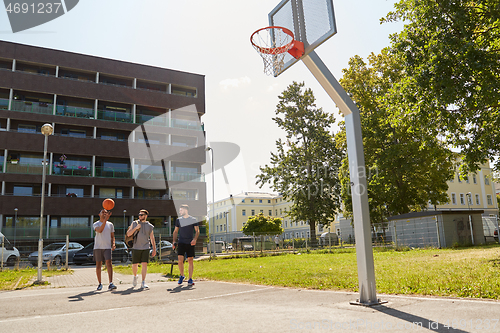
459 179
453 198
105 192
477 200
217 228
486 180
262 211
185 194
251 200
78 191
489 200
244 212
243 201
467 179
23 190
270 212
269 201
253 212
462 199
281 212
276 212
79 222
260 201
286 224
474 180
26 128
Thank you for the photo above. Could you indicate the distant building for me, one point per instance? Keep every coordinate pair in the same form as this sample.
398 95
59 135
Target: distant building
232 213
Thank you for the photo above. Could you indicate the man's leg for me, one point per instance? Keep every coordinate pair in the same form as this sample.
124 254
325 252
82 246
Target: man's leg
134 269
190 267
109 267
144 270
180 260
98 265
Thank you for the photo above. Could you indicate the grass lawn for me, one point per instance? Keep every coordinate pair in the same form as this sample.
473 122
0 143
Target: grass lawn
20 278
467 272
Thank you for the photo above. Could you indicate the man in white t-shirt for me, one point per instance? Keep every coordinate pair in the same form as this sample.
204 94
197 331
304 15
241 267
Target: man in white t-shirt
103 245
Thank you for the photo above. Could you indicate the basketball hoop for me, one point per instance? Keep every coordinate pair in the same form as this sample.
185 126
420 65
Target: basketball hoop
273 43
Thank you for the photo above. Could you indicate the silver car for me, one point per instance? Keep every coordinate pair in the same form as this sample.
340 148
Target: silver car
55 253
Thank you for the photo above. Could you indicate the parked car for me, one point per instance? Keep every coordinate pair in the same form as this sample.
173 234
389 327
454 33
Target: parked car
9 254
167 252
86 255
55 253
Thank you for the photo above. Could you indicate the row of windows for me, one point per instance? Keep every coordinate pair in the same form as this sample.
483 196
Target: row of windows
474 179
469 199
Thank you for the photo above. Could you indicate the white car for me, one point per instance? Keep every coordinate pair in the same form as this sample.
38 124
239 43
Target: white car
8 253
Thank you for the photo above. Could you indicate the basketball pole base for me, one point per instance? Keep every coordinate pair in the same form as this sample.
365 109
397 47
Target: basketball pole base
369 303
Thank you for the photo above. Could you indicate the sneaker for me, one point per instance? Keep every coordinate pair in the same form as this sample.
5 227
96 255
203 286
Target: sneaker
144 285
111 286
181 278
99 287
190 282
134 283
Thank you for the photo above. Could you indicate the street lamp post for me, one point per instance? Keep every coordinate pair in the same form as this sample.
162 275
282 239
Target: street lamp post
124 222
47 130
212 231
15 225
469 199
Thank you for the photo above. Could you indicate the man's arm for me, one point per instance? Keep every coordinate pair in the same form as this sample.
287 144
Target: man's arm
152 237
174 237
100 228
113 246
197 229
131 230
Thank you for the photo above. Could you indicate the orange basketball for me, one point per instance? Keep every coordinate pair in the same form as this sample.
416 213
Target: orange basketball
108 204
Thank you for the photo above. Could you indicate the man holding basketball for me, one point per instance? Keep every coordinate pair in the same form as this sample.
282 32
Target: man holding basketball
104 243
185 226
140 250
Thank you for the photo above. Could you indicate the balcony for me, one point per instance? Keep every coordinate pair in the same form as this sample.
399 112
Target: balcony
113 172
25 233
65 170
71 111
4 104
32 107
160 120
187 124
27 169
187 177
115 116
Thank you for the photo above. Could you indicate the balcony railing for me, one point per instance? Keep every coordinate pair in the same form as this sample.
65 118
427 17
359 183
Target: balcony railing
113 172
65 170
115 116
4 104
32 107
70 111
24 233
187 177
27 169
153 120
187 124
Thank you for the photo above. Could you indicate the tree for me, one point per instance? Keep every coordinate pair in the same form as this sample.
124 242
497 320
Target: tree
407 167
305 168
262 226
450 54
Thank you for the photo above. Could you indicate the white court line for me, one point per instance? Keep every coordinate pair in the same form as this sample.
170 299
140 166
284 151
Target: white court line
225 295
16 295
63 314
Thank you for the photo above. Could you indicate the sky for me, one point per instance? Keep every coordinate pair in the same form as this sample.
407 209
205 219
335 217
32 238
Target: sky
212 38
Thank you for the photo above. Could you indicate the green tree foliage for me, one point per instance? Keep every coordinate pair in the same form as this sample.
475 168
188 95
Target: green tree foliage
450 54
263 226
305 168
408 167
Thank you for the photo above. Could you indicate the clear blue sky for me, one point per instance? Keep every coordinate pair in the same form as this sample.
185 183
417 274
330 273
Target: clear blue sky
212 38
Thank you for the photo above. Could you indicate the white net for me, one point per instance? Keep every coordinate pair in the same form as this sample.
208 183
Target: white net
272 43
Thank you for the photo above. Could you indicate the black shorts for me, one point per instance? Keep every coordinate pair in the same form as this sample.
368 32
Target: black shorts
139 256
185 249
102 255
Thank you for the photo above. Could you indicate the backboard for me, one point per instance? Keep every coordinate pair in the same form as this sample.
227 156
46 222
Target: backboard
311 21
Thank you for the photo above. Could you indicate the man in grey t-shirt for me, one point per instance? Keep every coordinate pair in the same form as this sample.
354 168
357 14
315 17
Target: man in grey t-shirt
104 243
140 250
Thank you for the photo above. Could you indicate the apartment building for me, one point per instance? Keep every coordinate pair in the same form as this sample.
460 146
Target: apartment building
232 213
94 104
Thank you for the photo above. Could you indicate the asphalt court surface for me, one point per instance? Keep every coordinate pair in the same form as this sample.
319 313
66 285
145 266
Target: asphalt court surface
211 306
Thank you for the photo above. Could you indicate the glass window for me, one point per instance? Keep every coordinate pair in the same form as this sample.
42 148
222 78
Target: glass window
185 194
251 200
147 194
31 159
488 198
78 222
454 198
26 128
486 180
260 201
474 180
270 212
75 190
23 190
477 200
244 212
184 141
253 212
462 199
